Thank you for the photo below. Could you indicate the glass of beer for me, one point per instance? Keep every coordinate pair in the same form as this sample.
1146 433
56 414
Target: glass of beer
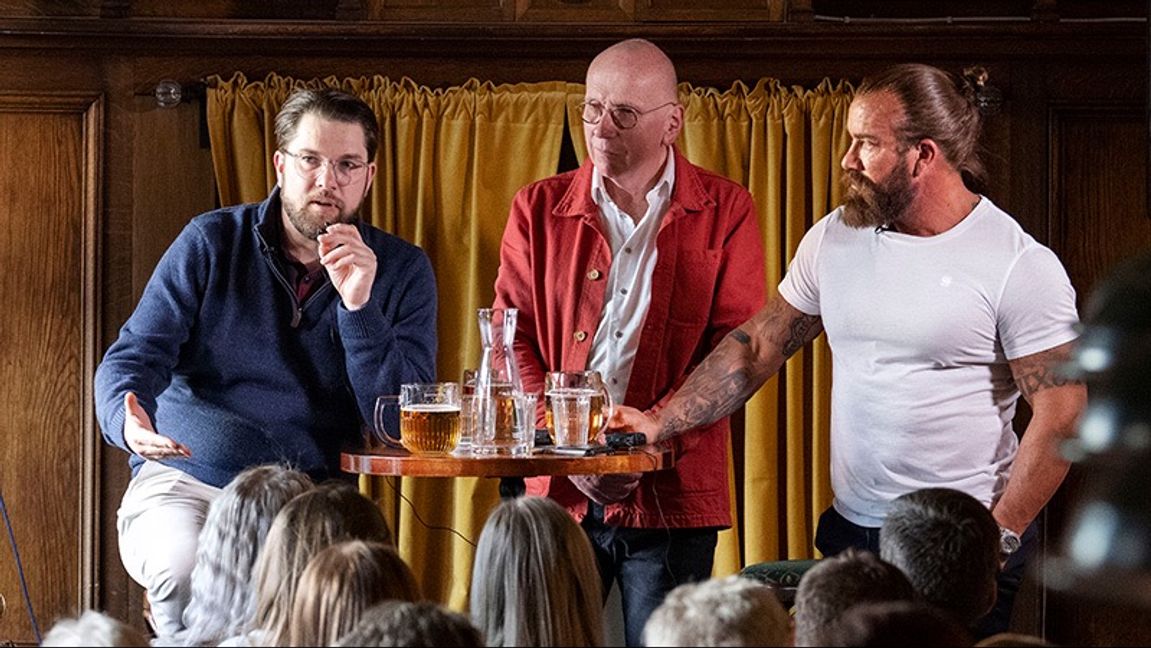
430 417
569 386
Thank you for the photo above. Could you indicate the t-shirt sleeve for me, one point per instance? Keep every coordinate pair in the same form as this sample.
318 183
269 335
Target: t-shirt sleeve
800 286
1037 309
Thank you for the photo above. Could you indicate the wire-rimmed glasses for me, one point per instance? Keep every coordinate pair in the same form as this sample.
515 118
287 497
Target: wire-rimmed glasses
309 165
624 117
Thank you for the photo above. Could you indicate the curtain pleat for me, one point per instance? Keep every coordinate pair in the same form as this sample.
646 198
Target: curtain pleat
450 161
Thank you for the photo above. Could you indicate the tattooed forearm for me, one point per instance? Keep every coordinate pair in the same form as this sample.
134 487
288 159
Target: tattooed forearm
802 330
1040 371
738 366
717 388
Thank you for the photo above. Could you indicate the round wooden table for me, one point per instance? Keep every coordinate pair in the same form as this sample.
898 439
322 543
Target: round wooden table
510 470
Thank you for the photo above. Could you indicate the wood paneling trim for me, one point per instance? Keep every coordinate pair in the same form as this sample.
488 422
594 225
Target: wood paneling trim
90 110
1099 42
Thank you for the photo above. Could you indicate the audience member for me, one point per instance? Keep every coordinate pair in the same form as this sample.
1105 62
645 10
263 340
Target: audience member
731 611
836 583
947 543
413 625
897 624
1012 639
534 581
341 582
93 629
223 600
311 522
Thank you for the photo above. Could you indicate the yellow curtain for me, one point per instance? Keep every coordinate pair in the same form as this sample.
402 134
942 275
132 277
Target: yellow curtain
450 161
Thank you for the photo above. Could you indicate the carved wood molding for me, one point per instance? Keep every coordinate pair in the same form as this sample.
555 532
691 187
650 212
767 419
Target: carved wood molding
705 39
89 108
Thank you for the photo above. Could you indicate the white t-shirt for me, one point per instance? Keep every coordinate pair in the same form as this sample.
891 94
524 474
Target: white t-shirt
921 329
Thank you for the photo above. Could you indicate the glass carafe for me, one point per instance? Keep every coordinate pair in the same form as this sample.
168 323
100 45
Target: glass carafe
497 383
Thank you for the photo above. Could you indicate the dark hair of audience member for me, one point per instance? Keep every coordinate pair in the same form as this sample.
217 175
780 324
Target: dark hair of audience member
947 543
731 611
311 522
223 600
407 624
896 623
838 582
534 580
341 582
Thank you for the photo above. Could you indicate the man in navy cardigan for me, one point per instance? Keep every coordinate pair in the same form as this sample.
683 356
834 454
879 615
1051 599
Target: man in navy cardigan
264 335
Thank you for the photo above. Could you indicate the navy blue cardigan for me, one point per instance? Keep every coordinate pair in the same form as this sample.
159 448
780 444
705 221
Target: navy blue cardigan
226 361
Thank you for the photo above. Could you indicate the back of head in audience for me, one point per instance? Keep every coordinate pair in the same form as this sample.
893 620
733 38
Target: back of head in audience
311 522
731 611
836 583
948 545
405 624
1012 639
93 628
222 598
535 580
340 583
896 623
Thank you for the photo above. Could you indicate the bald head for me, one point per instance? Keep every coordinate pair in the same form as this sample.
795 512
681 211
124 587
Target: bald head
642 63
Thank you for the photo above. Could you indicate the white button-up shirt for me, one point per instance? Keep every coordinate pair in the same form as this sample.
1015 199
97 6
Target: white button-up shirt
629 279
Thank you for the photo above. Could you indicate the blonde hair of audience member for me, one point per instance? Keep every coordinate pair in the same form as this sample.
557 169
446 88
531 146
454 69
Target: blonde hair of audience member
93 628
838 582
341 582
311 522
223 600
410 624
731 611
535 581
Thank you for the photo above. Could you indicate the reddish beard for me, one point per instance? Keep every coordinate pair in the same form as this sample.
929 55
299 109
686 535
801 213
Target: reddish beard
312 226
871 204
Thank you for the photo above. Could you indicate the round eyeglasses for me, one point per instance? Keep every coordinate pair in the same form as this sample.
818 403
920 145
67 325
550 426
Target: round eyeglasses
309 165
624 117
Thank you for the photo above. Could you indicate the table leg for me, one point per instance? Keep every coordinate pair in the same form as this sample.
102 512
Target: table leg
512 487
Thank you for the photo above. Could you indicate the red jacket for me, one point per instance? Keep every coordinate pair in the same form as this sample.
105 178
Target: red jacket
708 279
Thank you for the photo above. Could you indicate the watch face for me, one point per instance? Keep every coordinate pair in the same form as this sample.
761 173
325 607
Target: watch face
1008 542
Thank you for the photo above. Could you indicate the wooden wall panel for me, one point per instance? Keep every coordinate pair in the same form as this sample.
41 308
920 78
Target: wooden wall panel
50 151
736 10
1098 188
1098 208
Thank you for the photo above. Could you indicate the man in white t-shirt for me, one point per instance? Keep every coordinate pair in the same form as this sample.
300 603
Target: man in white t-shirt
940 312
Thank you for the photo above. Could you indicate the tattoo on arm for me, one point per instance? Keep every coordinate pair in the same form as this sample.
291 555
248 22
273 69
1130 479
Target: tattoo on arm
1040 371
802 330
738 366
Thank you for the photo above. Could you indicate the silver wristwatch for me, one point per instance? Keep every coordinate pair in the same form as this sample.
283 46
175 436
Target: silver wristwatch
1008 542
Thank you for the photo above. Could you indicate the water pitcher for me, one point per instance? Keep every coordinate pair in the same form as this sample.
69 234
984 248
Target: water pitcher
497 383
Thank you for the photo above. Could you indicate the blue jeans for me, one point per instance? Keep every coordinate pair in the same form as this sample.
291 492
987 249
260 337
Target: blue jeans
648 563
836 533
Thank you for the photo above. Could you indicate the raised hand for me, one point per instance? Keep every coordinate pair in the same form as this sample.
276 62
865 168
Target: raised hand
142 438
350 263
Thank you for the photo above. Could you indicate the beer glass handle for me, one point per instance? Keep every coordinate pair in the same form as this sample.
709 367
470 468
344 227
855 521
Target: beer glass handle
384 406
608 408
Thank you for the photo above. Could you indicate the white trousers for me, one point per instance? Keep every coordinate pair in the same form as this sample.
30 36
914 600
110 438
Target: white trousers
159 524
